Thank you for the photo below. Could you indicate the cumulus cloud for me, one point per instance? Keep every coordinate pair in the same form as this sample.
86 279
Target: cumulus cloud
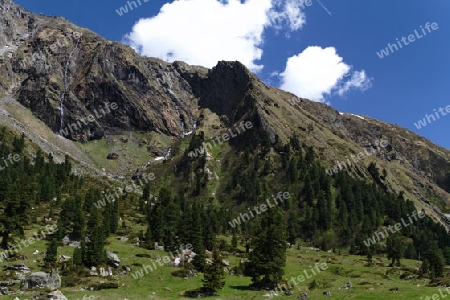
318 72
203 32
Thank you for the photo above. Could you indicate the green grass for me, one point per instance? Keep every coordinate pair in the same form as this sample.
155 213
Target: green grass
368 282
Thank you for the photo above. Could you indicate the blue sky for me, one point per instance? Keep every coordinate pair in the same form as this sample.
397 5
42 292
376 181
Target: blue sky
323 50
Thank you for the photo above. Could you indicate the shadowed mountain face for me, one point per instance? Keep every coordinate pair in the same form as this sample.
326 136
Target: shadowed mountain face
85 87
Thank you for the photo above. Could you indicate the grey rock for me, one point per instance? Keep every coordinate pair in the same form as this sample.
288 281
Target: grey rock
19 267
8 283
113 259
42 280
56 295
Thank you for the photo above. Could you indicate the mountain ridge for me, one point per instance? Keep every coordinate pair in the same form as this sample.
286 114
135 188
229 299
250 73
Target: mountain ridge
62 73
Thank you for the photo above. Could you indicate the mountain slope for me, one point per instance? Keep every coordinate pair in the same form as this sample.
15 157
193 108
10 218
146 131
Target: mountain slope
66 74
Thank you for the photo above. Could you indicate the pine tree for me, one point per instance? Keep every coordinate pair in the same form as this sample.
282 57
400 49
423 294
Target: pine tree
114 222
106 220
93 220
214 275
197 238
149 238
234 241
14 216
292 171
395 249
51 253
269 254
436 260
77 257
94 253
425 268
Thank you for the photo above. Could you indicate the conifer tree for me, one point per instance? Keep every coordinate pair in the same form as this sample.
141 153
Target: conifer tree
269 254
94 253
395 249
114 223
234 241
149 238
436 260
14 216
51 253
77 259
214 275
197 238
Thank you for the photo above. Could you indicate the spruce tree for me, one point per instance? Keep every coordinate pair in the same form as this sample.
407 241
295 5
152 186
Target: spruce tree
197 238
149 238
77 259
269 254
395 249
51 253
234 241
14 216
214 275
94 253
114 222
436 260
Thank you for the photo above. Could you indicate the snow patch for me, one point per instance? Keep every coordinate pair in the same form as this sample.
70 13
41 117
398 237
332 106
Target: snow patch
362 118
358 116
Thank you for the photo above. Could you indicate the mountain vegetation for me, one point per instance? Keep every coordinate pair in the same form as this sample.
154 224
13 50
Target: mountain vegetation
185 124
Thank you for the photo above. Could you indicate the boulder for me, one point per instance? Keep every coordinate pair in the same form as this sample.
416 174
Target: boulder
113 259
56 295
42 280
66 240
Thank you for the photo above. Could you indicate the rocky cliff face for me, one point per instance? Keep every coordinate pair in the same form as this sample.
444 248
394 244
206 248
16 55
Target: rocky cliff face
85 87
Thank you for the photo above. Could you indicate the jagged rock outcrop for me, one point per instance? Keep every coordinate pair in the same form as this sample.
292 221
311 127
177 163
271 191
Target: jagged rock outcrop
85 87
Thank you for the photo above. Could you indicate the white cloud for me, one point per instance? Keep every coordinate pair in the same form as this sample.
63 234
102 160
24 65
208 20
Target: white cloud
203 32
318 72
358 80
288 11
